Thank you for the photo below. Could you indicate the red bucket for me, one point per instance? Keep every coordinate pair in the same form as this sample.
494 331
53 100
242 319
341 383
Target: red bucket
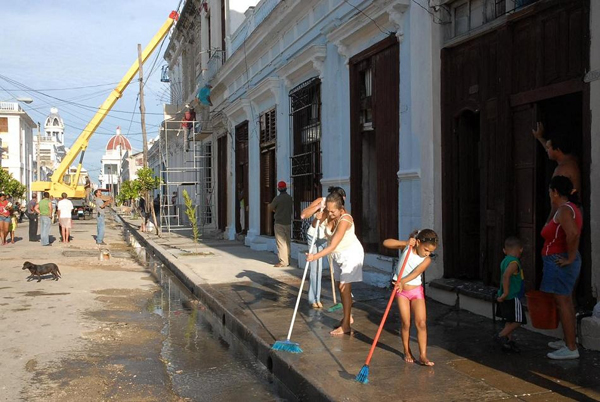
542 309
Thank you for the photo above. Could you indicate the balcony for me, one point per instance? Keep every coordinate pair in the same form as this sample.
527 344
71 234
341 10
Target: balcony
214 64
10 107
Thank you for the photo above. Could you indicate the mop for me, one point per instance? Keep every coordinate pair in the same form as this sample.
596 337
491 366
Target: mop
336 306
363 375
288 345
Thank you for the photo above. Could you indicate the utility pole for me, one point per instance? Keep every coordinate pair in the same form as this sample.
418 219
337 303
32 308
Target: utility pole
39 160
142 107
144 138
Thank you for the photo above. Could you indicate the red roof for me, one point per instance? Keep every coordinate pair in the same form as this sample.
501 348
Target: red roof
118 140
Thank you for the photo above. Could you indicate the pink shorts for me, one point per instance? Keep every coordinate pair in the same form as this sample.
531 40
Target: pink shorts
413 294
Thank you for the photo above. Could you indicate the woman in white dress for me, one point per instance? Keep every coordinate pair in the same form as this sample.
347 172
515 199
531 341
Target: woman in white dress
347 255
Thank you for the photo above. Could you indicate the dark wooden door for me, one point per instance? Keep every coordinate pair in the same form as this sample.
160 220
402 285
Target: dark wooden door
375 147
523 199
267 189
222 182
468 203
241 177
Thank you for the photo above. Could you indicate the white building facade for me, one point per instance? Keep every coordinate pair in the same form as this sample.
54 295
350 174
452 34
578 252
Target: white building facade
118 148
50 144
16 146
355 94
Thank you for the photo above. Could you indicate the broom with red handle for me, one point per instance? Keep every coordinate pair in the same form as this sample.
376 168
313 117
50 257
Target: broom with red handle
363 375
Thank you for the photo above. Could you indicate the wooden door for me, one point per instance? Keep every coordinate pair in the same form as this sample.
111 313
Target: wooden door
374 159
241 177
468 203
222 182
523 190
267 189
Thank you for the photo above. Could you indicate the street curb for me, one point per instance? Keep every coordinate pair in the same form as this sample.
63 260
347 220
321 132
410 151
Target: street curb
283 370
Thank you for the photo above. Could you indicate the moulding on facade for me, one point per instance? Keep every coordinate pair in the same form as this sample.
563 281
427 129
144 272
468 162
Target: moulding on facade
267 88
238 111
349 37
409 174
311 58
335 181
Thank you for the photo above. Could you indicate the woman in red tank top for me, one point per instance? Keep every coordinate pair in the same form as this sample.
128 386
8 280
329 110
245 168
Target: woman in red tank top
562 261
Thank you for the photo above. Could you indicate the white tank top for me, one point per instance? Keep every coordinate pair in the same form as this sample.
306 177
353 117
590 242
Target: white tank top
413 262
348 241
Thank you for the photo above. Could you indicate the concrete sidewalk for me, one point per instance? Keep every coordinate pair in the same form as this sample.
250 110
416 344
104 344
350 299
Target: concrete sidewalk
255 301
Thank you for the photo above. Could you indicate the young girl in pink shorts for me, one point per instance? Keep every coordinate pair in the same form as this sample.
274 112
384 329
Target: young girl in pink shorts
409 289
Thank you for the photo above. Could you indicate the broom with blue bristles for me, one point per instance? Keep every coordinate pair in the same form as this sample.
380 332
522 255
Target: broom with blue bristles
288 345
363 375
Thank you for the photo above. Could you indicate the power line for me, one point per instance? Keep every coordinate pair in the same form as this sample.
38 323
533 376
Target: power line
82 87
365 14
433 17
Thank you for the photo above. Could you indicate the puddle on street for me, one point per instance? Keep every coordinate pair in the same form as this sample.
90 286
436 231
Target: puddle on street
204 360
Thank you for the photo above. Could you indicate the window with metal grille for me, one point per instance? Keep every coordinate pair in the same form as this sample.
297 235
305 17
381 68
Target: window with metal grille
268 128
305 120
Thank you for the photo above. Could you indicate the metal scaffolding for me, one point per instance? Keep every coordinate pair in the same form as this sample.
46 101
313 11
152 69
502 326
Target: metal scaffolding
186 164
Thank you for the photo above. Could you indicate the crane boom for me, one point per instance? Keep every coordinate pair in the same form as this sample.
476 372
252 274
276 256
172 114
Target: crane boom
56 186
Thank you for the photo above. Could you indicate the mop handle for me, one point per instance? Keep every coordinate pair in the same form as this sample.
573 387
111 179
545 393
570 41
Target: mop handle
289 336
387 310
332 279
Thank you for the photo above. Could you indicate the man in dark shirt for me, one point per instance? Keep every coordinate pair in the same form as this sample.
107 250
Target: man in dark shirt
282 206
33 218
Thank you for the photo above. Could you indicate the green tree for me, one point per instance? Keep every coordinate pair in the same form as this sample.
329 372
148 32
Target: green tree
10 186
130 190
148 182
190 211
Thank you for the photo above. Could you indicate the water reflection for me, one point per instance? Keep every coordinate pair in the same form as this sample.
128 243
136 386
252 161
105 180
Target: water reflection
205 360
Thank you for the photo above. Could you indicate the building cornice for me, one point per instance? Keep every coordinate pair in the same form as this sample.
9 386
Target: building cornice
384 15
310 59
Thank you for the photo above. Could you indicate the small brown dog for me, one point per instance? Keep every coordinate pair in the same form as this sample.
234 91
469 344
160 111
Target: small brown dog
39 270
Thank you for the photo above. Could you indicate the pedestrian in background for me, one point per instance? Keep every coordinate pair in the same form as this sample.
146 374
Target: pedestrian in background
65 211
143 214
45 211
14 221
4 218
32 215
101 205
282 207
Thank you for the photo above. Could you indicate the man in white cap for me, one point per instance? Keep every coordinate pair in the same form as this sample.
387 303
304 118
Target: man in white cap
282 206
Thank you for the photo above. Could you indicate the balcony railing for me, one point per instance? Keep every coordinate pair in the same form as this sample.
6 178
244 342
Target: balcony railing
214 64
10 107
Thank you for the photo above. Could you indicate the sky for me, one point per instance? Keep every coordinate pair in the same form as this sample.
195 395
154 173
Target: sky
70 54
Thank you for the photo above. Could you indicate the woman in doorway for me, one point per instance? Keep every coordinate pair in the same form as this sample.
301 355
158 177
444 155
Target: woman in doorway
562 261
347 255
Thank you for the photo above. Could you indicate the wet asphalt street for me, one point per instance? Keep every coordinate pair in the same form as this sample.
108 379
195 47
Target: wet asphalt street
117 329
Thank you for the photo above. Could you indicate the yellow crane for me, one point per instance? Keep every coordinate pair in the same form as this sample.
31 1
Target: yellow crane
62 181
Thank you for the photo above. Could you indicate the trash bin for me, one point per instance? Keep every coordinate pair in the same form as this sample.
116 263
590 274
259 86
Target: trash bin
542 309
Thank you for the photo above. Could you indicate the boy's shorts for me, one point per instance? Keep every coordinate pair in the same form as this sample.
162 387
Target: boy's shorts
511 311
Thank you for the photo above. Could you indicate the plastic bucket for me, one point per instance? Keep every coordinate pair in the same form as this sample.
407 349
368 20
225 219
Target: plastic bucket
542 309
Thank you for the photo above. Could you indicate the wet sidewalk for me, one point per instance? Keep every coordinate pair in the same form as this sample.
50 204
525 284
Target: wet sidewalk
255 301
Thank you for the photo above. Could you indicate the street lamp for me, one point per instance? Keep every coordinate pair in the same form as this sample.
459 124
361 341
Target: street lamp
25 100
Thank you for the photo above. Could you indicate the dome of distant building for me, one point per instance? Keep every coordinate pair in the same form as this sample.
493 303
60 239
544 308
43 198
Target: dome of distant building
118 141
54 119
